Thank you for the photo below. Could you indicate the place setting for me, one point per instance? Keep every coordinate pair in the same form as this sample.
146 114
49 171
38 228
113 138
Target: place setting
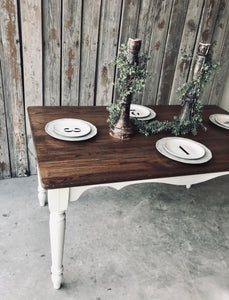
71 129
141 112
183 150
221 120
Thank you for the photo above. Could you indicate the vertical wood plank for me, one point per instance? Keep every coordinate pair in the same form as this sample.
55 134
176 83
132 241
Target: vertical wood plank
146 22
219 43
207 24
90 31
128 28
32 65
205 34
187 46
176 25
220 79
4 149
71 30
52 51
144 31
129 20
12 87
153 26
109 30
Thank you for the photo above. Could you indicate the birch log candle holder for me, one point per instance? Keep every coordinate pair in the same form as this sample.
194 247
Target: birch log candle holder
124 129
191 95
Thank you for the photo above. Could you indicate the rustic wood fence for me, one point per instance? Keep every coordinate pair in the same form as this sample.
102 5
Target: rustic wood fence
59 52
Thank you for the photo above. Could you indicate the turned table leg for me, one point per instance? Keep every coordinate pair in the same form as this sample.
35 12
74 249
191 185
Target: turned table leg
42 193
58 203
57 232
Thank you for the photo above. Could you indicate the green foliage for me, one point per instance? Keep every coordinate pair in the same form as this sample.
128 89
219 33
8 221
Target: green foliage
131 78
114 110
196 85
153 127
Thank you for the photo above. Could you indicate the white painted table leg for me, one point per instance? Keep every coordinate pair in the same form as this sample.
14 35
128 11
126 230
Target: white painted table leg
42 196
57 232
58 203
42 193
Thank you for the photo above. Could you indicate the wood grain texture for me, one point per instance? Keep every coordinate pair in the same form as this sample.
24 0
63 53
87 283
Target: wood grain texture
174 35
4 151
32 65
52 51
220 41
128 28
209 17
187 46
71 38
221 76
12 87
104 159
205 33
75 41
89 47
158 21
129 20
108 44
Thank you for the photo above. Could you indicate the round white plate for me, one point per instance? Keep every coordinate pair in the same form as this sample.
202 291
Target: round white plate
184 148
71 127
212 118
151 115
222 119
139 111
49 128
160 147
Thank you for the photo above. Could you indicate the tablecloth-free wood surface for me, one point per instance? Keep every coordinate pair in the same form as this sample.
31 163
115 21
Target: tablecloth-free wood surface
104 159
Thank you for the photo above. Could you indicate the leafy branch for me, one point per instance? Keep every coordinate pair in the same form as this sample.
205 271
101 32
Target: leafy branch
131 78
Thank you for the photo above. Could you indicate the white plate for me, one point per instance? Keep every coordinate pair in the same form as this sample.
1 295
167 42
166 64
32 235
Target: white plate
212 118
184 148
71 127
151 115
160 147
49 128
139 111
222 119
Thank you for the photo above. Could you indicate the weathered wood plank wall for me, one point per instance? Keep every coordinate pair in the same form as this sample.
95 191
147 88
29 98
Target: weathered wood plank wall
60 53
12 86
32 65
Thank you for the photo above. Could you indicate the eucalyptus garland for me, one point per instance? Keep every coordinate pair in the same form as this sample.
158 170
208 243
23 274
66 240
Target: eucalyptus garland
175 126
131 78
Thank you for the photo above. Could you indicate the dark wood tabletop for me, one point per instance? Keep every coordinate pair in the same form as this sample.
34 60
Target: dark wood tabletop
104 159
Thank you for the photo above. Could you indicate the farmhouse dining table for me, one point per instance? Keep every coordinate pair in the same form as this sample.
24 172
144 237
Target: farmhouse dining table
67 168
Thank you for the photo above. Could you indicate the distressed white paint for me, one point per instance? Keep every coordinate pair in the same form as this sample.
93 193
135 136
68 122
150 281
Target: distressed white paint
12 87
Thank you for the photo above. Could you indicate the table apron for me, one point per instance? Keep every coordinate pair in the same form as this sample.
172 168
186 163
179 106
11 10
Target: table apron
187 180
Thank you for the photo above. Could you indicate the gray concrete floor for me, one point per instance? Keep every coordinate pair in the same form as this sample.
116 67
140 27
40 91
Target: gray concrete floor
148 241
